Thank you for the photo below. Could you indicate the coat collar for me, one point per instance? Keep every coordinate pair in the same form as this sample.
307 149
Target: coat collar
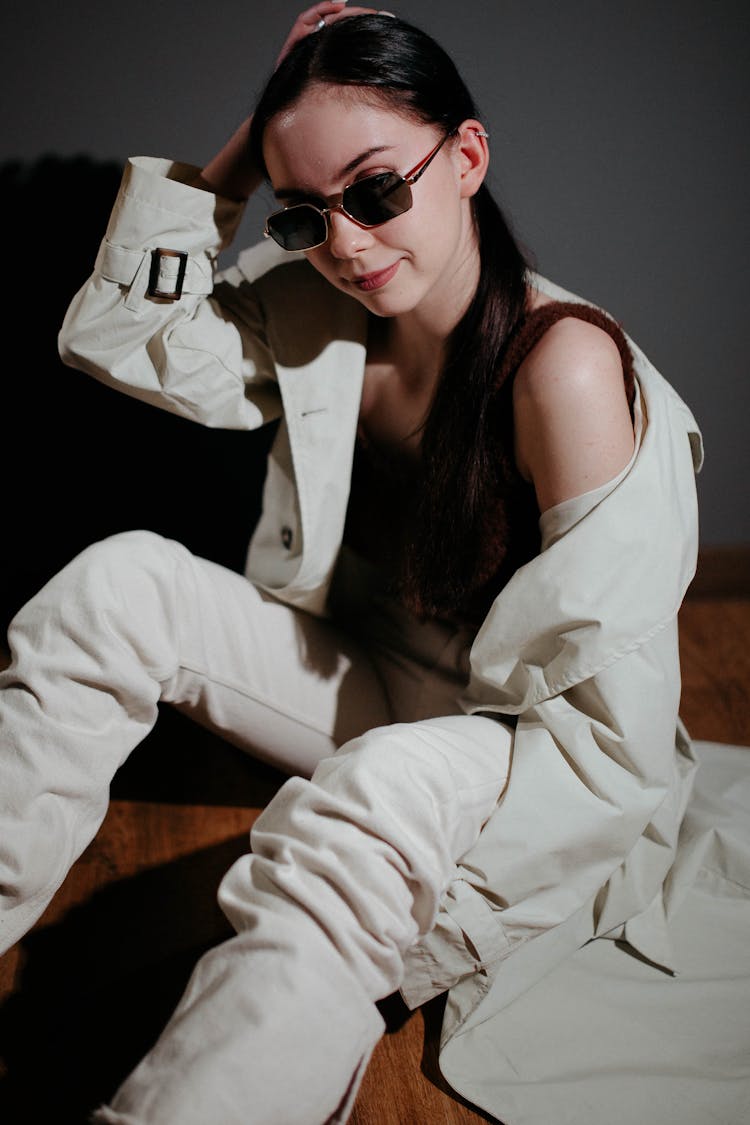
318 340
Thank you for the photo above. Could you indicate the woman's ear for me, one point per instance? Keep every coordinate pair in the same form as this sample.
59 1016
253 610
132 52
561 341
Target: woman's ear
473 156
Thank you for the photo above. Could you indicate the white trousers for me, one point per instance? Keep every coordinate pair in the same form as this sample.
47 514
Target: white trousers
390 786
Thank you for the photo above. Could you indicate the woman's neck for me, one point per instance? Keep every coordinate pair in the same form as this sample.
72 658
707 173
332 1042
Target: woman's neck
412 350
416 342
406 355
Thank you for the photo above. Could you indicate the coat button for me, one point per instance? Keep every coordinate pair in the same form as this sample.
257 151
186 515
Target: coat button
286 537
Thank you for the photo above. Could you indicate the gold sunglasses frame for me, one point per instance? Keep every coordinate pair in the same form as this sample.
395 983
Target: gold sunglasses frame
336 202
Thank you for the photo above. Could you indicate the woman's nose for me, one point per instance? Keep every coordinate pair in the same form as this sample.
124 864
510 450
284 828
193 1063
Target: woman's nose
345 236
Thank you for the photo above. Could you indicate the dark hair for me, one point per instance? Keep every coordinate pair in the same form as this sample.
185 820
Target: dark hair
461 464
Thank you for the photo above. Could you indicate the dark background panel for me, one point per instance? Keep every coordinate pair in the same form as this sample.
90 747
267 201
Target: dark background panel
619 139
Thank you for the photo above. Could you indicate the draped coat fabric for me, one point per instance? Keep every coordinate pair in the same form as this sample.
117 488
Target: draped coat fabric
579 652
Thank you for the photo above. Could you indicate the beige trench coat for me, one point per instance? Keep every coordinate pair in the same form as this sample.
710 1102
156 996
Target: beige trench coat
579 650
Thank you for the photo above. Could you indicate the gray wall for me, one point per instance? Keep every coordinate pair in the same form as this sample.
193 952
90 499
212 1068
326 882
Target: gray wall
618 135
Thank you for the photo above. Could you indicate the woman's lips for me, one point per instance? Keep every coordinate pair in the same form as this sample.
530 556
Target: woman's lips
376 280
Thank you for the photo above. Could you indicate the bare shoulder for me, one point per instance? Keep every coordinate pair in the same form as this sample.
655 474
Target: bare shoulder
571 356
573 430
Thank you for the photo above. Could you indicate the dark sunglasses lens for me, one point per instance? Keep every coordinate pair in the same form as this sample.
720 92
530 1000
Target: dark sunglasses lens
298 228
377 199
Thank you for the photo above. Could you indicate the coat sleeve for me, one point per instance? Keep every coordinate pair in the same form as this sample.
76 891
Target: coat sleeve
593 768
583 650
204 356
580 654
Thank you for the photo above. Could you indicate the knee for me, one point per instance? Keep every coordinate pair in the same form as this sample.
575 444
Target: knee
120 583
393 763
386 784
117 562
366 818
361 786
438 779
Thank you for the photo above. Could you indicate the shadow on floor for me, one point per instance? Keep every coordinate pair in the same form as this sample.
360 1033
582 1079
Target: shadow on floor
96 988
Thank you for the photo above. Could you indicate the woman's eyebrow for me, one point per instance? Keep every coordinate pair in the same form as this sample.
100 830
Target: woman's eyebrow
292 193
361 159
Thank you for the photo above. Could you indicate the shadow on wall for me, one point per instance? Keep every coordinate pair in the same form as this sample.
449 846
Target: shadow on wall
80 460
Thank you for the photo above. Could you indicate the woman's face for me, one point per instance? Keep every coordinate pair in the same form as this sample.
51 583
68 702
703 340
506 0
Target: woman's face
333 136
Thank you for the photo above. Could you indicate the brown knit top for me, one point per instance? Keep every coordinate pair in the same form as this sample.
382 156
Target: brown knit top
379 519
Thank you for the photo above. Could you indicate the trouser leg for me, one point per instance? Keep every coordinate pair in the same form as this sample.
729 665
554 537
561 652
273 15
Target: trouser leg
73 703
347 870
132 621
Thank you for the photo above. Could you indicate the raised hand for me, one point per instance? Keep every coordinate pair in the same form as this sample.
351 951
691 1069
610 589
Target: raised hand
313 19
229 172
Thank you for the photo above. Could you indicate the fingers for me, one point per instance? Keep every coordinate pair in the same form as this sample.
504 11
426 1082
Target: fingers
313 19
309 21
343 13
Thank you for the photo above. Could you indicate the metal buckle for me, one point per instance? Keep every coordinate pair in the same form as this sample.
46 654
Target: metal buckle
153 277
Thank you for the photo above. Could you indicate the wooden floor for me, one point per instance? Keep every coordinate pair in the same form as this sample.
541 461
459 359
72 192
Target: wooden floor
85 993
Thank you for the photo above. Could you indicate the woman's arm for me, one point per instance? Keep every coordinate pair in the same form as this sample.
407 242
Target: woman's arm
572 422
581 646
150 321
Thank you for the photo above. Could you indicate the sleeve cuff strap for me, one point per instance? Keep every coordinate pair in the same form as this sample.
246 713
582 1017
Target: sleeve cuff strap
165 264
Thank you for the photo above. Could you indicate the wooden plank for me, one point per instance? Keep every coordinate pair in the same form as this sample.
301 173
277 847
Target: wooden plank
722 572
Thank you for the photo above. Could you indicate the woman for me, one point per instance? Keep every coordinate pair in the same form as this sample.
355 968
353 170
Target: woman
451 633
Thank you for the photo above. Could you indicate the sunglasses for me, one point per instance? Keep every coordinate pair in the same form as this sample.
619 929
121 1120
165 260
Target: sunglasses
369 202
